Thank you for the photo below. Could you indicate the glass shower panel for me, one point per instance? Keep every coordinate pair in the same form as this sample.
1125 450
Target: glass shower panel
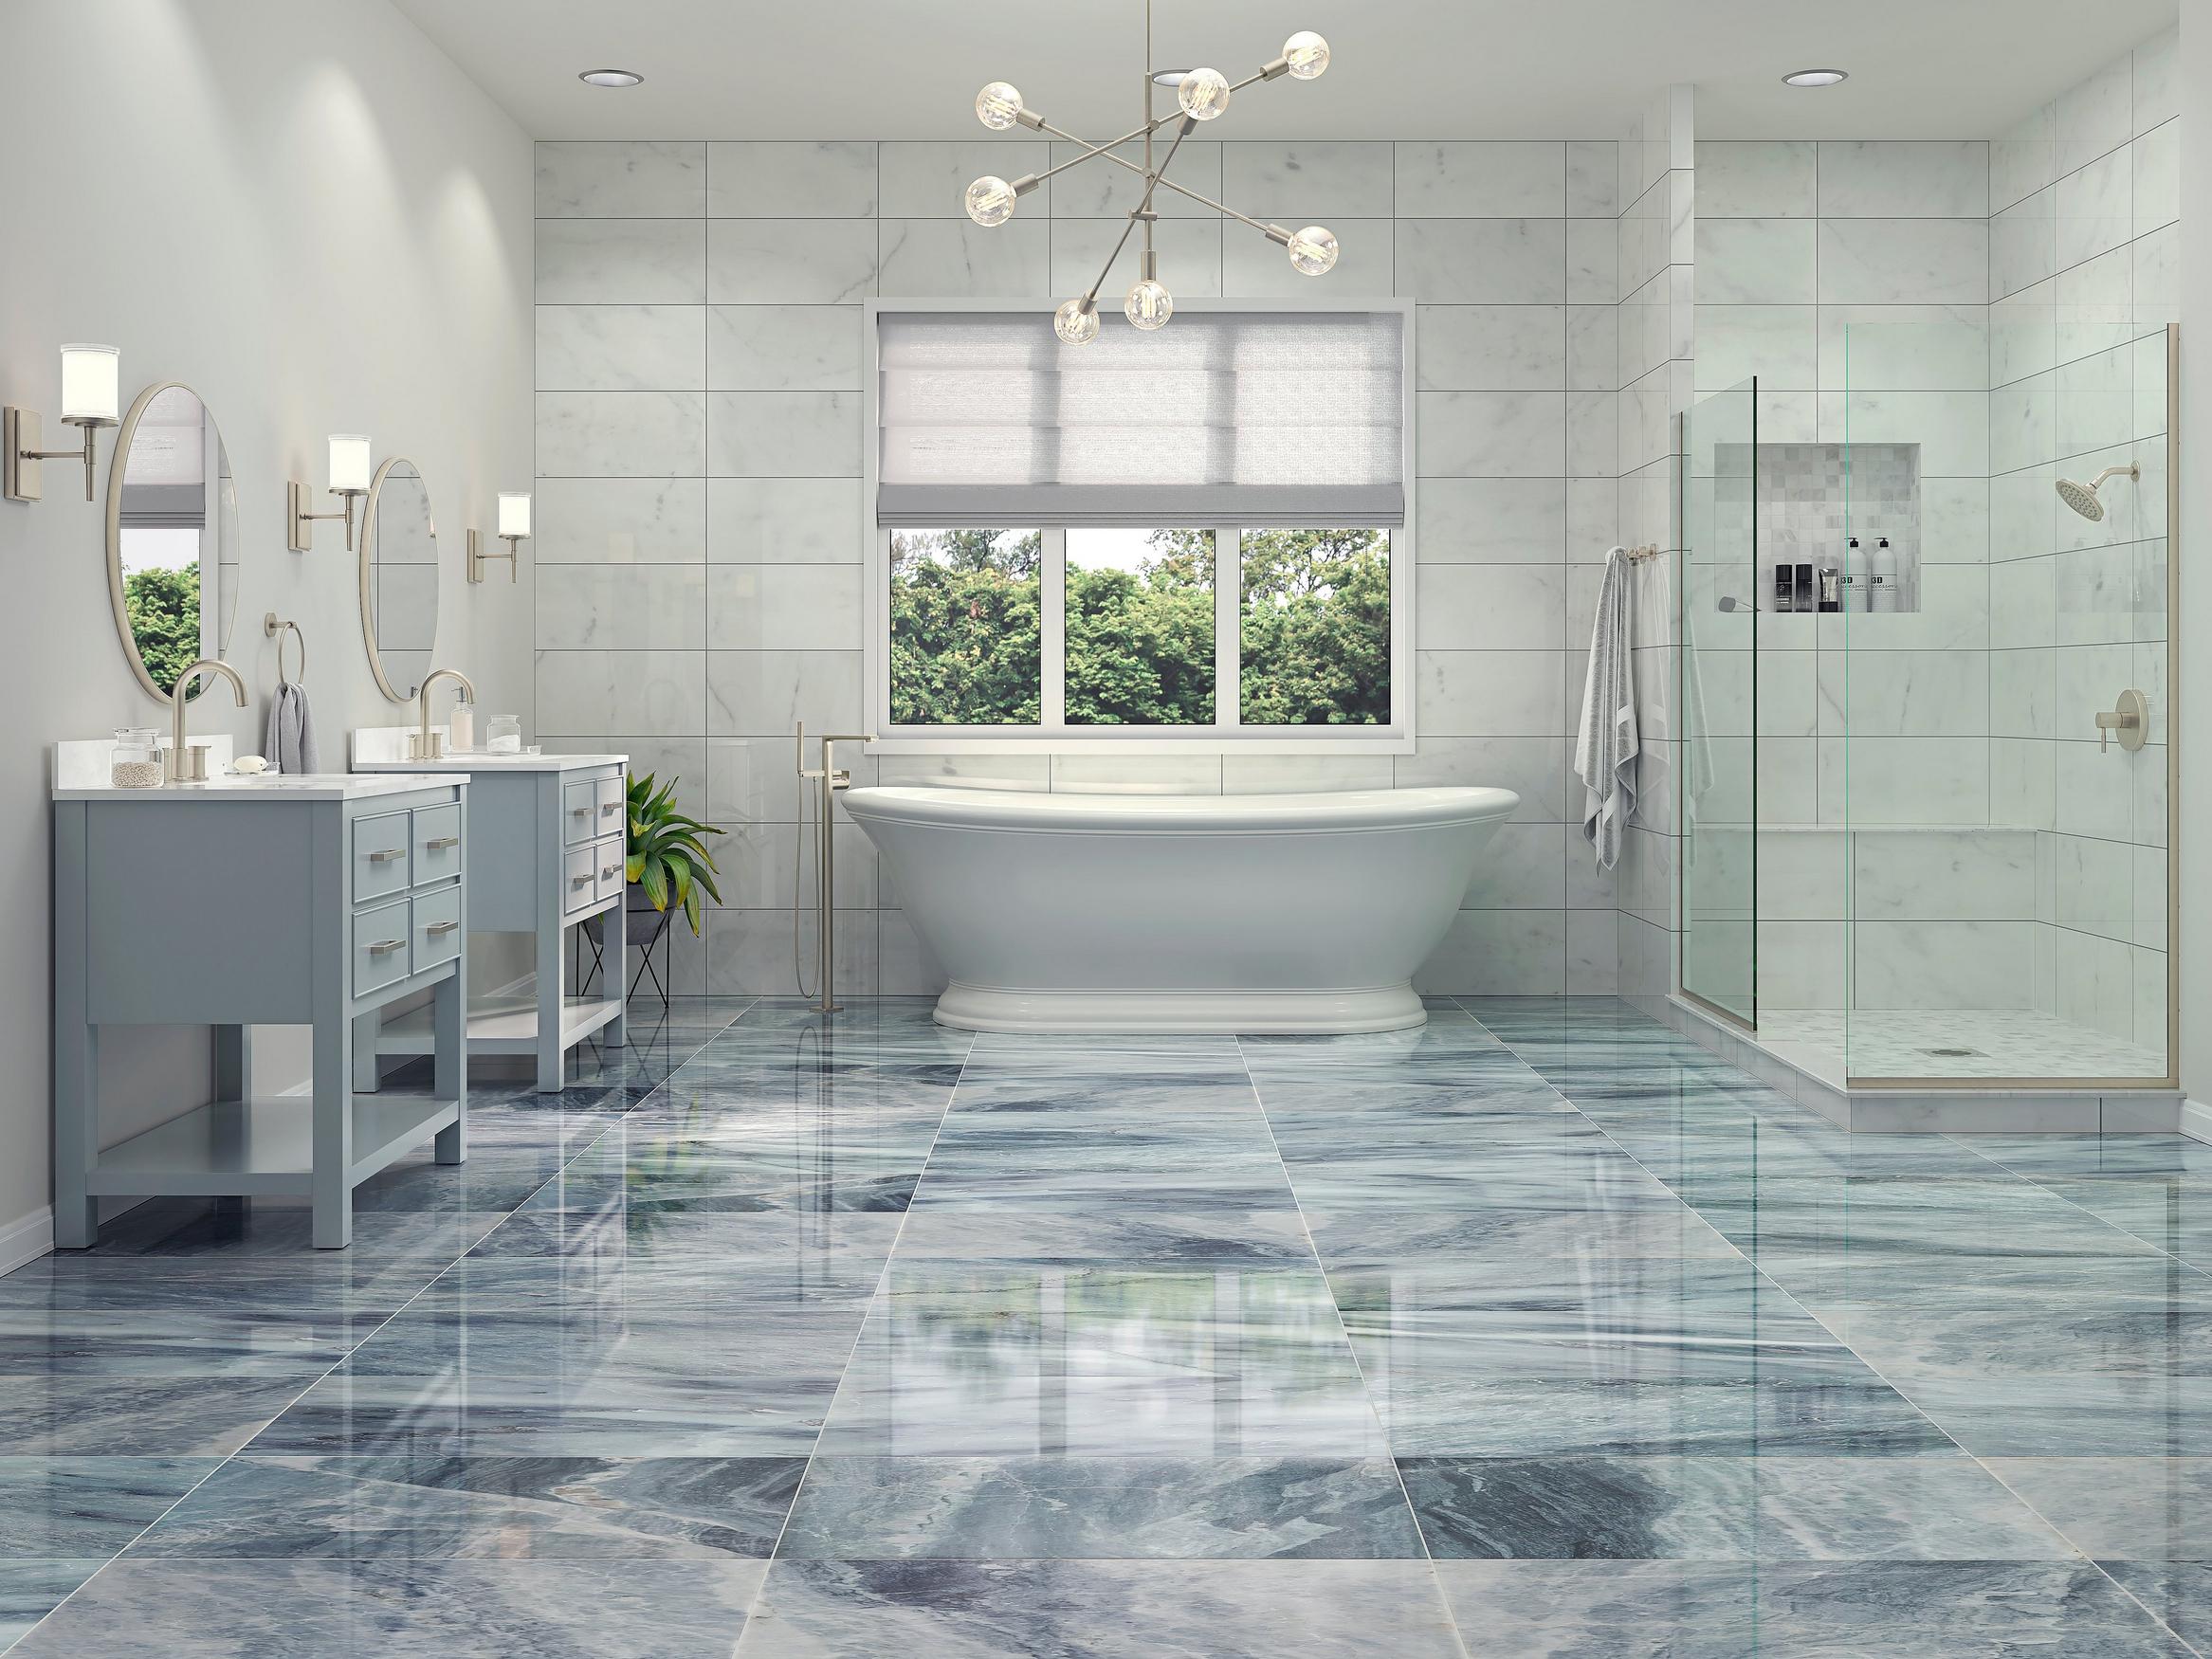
1719 699
1999 793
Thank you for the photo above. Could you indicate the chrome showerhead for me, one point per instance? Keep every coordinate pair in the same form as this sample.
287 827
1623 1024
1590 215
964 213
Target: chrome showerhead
2082 498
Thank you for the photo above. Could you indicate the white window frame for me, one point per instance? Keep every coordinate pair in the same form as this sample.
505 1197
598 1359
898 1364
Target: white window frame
1054 736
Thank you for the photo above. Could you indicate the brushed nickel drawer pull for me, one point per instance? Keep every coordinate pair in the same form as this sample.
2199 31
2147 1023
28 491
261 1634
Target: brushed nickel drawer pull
388 855
606 807
437 927
582 881
439 843
385 947
608 874
580 811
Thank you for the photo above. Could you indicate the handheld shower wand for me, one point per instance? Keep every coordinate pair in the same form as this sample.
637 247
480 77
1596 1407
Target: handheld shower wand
831 779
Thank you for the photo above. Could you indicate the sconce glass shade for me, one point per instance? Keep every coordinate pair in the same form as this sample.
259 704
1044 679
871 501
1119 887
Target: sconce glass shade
1203 94
514 515
1313 251
91 384
998 105
1307 53
349 461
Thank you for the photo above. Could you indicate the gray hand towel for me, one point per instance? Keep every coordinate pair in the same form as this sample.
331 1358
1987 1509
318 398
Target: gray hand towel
289 744
1607 744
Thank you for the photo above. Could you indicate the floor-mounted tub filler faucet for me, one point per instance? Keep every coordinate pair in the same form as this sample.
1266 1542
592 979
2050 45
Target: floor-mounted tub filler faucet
191 765
831 779
423 743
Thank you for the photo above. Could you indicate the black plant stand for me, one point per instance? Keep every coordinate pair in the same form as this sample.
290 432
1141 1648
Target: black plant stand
657 935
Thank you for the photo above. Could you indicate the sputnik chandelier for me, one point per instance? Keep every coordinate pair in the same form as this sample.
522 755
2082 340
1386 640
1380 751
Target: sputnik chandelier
1202 95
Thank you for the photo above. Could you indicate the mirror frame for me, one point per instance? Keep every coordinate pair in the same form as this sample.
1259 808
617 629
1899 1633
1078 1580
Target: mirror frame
368 562
116 468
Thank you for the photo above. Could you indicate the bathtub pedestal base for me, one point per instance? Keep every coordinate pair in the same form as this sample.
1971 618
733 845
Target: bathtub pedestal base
978 1007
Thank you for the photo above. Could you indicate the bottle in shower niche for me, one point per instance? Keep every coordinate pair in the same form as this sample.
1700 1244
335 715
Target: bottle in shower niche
1883 592
1785 588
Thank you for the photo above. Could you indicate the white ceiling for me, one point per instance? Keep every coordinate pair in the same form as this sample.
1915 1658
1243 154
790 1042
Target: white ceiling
1402 68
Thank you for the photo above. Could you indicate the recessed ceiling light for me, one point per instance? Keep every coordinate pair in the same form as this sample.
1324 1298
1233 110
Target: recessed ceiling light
1168 77
610 78
1814 77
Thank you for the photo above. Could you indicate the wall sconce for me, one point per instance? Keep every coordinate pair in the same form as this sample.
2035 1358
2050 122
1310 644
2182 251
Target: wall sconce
91 396
349 478
513 528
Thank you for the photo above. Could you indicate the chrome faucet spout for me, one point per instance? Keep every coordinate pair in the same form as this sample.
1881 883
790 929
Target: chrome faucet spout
424 745
191 767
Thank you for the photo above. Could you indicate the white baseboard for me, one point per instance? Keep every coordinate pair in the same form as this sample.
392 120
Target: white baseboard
27 1240
2196 1120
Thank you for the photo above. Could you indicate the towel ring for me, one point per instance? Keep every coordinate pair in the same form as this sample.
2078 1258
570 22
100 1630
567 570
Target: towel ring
274 627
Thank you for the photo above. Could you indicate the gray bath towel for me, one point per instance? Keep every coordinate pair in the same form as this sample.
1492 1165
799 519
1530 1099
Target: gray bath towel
289 744
1607 745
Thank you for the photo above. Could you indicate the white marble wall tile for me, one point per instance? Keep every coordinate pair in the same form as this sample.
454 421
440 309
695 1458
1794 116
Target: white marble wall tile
682 761
2155 260
1253 267
599 694
2094 208
1309 181
1943 964
1522 868
2022 692
1249 775
2021 424
1592 518
1495 434
760 867
785 521
1904 262
2023 244
782 607
2023 334
762 693
1588 886
1599 425
1757 179
1593 348
749 953
1904 694
1178 775
1189 250
1953 616
1886 178
1534 768
929 180
1504 694
1592 178
1951 428
784 348
908 968
2023 595
1034 771
1482 180
620 607
791 262
791 179
1489 953
2094 308
621 434
619 521
1592 258
1594 953
2096 983
783 434
1099 190
2021 783
620 261
1495 262
1757 261
2155 175
956 258
594 179
1780 344
1503 521
753 779
1904 780
2155 80
1490 606
2093 885
620 348
2023 159
2095 117
1492 348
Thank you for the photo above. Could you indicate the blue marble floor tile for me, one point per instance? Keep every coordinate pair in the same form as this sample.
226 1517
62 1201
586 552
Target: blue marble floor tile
156 1337
197 1413
2177 1594
826 1250
1101 1610
1182 1509
1258 1227
30 1589
651 1172
1365 1236
2142 1509
57 1508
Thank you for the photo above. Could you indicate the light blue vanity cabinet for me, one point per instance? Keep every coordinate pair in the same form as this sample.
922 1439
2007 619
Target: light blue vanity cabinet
550 837
308 900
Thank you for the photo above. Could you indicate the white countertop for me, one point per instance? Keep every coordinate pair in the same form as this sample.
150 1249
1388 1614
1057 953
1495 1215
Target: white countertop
84 771
384 749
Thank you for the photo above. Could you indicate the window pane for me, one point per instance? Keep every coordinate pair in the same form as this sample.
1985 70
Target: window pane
1140 628
965 628
1315 633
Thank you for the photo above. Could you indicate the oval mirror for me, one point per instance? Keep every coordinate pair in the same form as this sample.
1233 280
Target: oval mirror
399 578
171 538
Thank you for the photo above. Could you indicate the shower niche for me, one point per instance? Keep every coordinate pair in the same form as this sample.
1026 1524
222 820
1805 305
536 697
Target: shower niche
1837 526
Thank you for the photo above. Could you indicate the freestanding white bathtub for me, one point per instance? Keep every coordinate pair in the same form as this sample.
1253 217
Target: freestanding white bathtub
1181 913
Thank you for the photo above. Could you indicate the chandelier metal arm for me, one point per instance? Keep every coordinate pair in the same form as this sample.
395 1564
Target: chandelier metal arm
1142 213
1167 184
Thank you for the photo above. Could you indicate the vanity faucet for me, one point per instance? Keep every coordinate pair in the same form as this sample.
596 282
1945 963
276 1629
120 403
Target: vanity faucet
190 766
426 744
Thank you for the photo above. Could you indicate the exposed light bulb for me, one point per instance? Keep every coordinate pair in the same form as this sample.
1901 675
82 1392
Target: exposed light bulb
1149 304
1313 251
1203 94
1077 321
990 201
1307 53
997 106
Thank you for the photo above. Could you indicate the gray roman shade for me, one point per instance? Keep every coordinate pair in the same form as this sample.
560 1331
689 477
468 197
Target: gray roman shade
1264 417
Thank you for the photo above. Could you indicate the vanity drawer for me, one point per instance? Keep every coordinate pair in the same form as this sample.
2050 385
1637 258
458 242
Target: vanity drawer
437 844
579 884
381 955
610 798
608 867
437 928
579 816
380 849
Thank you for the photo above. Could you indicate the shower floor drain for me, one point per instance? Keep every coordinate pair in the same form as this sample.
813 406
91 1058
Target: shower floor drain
1955 1053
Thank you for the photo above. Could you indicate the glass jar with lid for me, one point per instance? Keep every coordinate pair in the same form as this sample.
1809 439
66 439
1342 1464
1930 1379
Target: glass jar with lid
138 758
503 734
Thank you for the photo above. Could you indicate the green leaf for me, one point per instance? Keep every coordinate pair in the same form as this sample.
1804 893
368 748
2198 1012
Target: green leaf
655 882
691 910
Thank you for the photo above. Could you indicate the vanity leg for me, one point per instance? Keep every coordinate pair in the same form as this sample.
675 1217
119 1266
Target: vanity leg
550 1000
367 1079
334 1132
76 1132
233 1063
451 1065
614 971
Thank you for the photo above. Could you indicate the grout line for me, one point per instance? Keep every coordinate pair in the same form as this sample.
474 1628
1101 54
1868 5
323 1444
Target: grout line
246 1446
1358 1370
1874 1370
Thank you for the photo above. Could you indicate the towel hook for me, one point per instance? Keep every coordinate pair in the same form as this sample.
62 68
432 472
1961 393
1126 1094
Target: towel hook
274 627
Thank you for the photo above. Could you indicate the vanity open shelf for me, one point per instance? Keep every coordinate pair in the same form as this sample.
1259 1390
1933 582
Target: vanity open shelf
262 1148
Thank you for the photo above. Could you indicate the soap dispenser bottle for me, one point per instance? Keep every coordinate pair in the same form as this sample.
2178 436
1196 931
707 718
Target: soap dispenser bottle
1884 593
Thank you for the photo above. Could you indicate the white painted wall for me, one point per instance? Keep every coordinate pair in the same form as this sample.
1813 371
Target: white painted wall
307 211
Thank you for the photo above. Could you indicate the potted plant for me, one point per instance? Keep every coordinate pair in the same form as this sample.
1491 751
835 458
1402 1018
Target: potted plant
668 863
